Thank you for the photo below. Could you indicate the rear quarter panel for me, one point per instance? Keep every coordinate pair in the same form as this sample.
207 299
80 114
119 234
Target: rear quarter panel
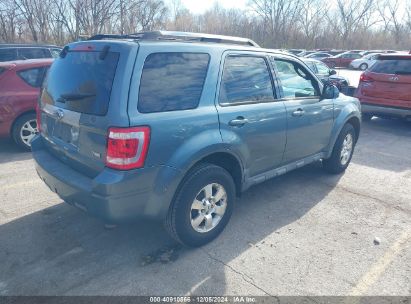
178 139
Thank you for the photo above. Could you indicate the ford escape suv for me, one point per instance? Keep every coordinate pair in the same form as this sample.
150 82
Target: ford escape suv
174 126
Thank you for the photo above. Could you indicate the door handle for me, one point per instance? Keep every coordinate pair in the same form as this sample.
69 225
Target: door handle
238 122
298 112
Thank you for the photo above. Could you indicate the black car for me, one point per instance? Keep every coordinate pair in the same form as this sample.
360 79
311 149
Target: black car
10 52
326 74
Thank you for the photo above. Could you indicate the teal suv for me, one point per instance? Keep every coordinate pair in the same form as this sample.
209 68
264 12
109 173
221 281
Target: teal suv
174 126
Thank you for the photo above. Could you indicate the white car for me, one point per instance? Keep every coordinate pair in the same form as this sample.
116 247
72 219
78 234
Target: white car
364 62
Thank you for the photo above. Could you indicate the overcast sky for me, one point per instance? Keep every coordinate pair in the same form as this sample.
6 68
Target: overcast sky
199 6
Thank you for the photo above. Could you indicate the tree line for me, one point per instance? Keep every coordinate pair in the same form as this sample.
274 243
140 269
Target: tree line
309 24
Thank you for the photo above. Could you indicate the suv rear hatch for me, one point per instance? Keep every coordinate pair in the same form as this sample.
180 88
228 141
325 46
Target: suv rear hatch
85 93
389 79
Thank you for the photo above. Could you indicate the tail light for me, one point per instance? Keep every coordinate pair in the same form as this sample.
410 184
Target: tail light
38 117
365 78
127 147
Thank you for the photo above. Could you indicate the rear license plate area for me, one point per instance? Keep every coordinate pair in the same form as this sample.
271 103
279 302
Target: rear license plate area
62 131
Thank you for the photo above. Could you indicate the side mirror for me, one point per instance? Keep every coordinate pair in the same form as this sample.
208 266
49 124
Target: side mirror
330 91
333 72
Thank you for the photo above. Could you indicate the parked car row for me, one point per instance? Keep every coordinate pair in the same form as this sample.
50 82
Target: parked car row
355 59
11 52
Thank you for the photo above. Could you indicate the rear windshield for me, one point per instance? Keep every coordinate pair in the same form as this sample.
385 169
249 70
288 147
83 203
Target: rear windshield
393 66
172 81
81 82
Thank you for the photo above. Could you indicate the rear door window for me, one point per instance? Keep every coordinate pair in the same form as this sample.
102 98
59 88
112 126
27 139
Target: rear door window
172 81
392 66
245 79
81 82
8 54
31 53
33 77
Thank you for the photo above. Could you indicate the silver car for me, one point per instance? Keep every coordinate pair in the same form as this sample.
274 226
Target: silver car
364 62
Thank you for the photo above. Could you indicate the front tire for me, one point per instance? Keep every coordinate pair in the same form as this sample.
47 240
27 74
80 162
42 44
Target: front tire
24 129
202 206
342 151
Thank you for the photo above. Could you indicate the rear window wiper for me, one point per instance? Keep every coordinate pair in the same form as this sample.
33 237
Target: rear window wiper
73 97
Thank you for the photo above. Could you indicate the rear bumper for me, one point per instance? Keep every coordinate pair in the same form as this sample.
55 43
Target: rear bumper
385 110
113 196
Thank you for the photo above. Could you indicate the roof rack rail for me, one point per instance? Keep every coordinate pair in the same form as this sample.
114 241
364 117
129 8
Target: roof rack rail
179 36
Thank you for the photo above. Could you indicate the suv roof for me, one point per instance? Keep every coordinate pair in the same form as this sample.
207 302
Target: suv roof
103 43
179 36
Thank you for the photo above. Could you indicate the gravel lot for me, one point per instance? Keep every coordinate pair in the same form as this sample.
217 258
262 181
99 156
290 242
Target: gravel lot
305 233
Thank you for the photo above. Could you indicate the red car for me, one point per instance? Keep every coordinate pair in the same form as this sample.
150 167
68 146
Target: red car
341 60
20 83
385 89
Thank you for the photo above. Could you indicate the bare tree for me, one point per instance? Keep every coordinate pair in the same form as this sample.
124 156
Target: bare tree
279 17
272 23
9 20
389 11
311 20
351 16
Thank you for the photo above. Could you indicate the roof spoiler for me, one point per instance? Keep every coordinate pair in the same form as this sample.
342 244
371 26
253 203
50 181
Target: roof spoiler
179 36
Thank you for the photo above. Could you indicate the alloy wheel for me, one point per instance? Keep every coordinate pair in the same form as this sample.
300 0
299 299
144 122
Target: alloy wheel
208 208
346 150
28 131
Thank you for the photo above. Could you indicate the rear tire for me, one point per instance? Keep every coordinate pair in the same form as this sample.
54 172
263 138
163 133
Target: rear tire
363 66
342 151
196 217
24 129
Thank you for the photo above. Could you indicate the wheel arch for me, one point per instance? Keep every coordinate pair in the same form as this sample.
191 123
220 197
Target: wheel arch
170 179
349 114
356 123
227 161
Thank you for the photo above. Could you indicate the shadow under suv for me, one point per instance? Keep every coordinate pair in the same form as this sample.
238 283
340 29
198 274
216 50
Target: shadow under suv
174 126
